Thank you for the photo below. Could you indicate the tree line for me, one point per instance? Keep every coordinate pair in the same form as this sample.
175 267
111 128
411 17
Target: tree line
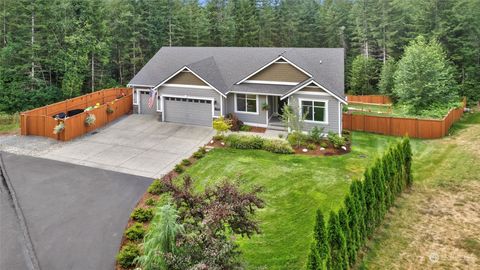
56 49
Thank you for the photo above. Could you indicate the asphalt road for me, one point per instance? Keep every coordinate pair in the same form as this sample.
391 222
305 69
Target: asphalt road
75 215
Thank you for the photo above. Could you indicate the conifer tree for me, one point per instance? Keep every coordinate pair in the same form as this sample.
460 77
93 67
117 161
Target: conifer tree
337 243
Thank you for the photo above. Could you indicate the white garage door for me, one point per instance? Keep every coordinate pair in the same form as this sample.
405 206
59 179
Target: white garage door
188 111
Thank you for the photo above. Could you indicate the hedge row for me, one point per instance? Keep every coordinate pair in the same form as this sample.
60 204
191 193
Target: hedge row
257 142
336 244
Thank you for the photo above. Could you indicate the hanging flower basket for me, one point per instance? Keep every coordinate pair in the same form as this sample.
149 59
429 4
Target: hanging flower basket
90 119
59 128
110 110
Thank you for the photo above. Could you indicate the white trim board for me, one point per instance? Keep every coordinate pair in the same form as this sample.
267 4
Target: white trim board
182 69
250 93
186 86
140 85
271 82
273 61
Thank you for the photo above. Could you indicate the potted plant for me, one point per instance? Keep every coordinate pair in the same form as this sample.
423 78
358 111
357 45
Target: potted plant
265 106
90 119
59 128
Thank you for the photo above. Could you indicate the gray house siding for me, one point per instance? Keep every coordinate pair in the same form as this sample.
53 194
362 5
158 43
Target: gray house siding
259 119
192 92
334 113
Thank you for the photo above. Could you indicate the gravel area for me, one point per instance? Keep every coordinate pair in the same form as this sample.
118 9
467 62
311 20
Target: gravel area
28 145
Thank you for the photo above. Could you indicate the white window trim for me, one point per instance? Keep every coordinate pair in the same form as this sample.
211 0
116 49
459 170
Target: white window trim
275 60
190 97
235 104
140 85
300 100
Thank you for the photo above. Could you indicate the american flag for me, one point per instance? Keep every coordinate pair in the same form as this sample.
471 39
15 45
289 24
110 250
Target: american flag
151 99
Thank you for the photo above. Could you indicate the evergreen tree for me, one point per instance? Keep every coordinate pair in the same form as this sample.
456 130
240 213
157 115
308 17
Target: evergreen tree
337 243
363 76
313 261
321 241
352 214
385 84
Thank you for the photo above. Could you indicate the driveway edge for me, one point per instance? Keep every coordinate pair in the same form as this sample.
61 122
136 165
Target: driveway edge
28 245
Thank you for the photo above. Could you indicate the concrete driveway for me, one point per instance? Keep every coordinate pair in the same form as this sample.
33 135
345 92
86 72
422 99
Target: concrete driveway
75 215
136 144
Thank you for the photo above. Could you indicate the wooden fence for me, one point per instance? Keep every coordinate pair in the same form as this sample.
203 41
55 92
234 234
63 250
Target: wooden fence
40 121
396 126
373 99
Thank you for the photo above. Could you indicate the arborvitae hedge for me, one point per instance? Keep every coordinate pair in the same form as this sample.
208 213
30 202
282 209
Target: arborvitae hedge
336 245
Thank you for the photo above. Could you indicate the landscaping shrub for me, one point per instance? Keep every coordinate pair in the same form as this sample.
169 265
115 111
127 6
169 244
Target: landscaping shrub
155 188
297 139
311 146
244 142
277 146
324 144
316 134
336 140
142 214
221 125
364 209
235 123
186 162
150 202
178 168
200 153
135 232
127 255
245 128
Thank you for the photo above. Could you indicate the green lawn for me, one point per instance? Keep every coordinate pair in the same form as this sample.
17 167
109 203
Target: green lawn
395 111
295 186
431 218
9 123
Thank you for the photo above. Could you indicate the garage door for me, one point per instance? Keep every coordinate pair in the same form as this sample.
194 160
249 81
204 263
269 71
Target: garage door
188 111
144 109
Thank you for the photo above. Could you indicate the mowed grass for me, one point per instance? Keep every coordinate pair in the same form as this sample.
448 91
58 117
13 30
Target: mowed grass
436 217
294 188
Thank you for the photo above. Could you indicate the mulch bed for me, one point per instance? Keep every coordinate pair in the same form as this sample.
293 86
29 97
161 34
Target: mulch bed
329 151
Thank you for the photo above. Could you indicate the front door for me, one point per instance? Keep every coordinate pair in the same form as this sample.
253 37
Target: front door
281 103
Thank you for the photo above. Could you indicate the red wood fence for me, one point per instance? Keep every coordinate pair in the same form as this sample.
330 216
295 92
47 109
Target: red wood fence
374 99
397 126
40 121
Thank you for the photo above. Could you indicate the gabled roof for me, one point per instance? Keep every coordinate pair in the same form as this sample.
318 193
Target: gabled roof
311 82
223 67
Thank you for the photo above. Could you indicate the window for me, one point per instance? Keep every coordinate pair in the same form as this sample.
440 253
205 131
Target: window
246 103
315 111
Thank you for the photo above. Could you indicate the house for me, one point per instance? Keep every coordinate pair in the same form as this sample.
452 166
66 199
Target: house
193 85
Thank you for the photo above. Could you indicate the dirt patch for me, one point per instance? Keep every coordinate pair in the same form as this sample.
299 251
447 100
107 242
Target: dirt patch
447 219
258 129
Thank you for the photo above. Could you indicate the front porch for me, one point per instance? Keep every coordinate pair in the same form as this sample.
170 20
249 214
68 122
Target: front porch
275 113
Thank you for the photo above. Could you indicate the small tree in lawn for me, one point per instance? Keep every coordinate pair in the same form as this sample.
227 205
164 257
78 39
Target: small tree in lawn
338 249
386 83
363 77
424 78
221 125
